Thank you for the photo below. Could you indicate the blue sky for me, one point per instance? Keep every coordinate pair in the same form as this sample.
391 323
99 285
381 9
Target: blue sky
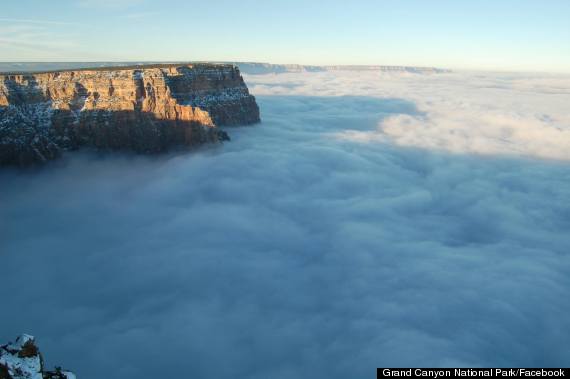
504 35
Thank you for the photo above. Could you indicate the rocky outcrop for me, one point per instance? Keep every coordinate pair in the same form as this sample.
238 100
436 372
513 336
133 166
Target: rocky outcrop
23 360
146 109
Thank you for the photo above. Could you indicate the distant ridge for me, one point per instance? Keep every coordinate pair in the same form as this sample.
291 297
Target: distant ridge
251 68
43 67
267 68
24 70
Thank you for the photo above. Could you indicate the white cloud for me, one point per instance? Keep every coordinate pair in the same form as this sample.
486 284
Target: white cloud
109 3
491 114
39 22
37 39
290 252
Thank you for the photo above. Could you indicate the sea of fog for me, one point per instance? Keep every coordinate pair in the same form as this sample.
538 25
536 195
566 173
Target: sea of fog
371 220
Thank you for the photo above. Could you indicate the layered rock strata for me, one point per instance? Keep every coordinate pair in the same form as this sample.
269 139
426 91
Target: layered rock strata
146 109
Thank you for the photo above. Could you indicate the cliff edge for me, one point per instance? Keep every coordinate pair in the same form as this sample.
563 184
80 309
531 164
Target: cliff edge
146 109
23 360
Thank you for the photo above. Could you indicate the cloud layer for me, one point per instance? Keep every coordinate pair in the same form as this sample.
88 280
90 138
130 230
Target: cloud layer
342 234
490 114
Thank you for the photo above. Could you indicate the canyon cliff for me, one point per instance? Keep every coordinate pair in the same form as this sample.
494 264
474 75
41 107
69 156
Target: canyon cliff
146 109
22 360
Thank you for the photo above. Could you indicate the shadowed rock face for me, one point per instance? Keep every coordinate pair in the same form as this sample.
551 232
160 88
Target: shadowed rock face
146 109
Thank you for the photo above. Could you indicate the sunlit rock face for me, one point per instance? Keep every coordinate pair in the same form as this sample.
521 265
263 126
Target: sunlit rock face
146 109
22 360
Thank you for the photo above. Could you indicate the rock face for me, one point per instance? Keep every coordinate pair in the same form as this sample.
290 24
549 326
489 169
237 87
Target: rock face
146 109
23 360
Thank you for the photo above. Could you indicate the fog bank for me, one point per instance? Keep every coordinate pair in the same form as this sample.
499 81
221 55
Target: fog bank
371 220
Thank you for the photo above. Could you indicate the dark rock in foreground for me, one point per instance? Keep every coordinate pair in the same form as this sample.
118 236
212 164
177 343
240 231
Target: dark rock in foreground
23 360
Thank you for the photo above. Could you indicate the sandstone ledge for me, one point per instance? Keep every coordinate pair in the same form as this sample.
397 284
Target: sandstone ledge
146 109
